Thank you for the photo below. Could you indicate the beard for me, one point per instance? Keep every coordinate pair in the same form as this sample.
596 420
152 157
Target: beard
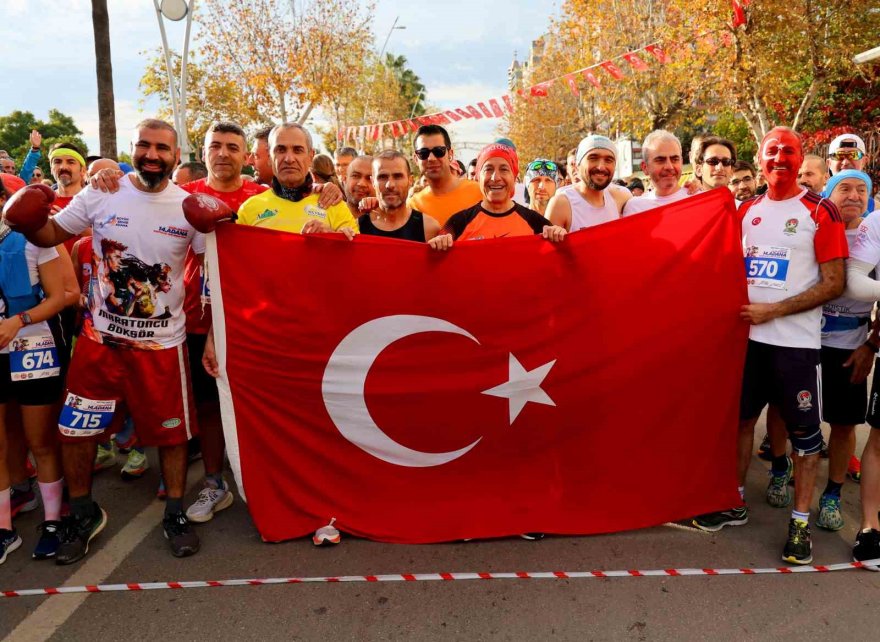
148 179
598 186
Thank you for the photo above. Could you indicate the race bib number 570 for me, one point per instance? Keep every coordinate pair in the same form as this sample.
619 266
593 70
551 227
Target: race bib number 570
81 417
767 266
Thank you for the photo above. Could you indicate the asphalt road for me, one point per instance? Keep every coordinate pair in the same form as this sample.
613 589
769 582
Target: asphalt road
132 549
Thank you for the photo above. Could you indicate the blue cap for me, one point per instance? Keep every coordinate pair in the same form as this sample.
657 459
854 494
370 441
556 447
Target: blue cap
506 142
847 173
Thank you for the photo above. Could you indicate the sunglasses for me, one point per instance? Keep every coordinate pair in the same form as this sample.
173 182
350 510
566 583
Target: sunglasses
550 166
849 154
425 152
726 162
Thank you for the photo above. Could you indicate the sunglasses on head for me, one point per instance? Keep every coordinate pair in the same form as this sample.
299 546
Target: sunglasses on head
424 152
726 162
847 154
550 166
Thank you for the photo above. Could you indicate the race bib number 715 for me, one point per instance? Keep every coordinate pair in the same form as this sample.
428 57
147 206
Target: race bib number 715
81 417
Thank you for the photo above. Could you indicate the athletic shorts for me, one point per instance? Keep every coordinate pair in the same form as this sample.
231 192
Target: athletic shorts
789 378
843 403
34 390
204 385
154 386
873 417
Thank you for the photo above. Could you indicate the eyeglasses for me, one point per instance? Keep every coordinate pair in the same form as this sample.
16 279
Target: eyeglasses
424 152
744 179
550 166
726 162
849 154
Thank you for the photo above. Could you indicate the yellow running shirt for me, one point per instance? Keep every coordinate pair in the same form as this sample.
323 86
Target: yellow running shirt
442 206
271 211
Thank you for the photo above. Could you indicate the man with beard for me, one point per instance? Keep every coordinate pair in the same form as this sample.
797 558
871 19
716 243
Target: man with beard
592 200
358 183
795 250
742 183
141 364
542 176
662 162
392 178
68 165
813 173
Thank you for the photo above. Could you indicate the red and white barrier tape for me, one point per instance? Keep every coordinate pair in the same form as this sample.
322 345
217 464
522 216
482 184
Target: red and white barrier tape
433 577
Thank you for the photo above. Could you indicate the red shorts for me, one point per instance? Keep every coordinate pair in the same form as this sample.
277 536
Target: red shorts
153 385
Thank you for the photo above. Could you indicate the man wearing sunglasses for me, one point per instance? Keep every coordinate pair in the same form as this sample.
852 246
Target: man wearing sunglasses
848 151
715 158
542 177
446 193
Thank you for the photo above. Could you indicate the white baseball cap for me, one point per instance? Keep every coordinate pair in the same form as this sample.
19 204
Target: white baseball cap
847 141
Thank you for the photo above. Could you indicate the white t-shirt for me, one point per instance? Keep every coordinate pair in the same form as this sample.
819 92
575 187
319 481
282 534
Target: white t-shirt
139 245
650 200
35 256
841 315
784 243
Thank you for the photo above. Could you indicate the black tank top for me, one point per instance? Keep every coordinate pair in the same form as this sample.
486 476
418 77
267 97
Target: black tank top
412 230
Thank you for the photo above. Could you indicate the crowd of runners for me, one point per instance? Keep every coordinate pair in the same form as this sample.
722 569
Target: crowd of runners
106 323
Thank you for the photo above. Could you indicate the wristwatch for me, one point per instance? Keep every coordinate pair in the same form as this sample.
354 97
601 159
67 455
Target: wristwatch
25 318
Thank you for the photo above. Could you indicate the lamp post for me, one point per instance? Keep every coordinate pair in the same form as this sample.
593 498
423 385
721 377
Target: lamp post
177 10
388 37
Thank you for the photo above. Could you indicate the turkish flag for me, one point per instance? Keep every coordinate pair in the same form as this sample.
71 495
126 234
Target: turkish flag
659 53
590 76
637 63
612 69
506 386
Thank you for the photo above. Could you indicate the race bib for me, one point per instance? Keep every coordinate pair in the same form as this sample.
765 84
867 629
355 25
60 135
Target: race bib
767 266
81 417
33 357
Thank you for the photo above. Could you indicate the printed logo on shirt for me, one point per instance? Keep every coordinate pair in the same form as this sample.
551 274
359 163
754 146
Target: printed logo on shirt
171 423
756 220
314 210
170 230
791 226
267 214
114 220
805 400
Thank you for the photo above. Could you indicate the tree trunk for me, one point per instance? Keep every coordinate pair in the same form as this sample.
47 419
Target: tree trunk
104 72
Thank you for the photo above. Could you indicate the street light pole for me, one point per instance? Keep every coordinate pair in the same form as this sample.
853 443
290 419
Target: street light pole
388 37
177 10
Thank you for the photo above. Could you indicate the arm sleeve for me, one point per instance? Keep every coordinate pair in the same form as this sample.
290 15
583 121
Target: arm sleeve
29 165
78 216
830 242
859 285
198 243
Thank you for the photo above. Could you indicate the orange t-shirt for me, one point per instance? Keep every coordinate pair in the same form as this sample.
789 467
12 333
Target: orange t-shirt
475 223
442 206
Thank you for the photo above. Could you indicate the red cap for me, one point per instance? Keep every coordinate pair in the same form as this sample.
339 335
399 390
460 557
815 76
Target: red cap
496 150
12 183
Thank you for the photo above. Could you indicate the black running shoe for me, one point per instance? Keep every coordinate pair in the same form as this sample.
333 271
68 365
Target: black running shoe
181 537
867 547
713 522
75 535
532 537
47 545
799 547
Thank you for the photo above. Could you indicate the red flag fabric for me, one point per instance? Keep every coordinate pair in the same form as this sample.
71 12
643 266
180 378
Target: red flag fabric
485 110
413 125
739 14
572 84
592 78
496 108
452 115
612 69
637 63
508 103
492 410
396 129
659 53
441 119
540 89
461 112
474 112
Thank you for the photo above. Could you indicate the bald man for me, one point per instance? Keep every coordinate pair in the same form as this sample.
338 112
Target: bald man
812 173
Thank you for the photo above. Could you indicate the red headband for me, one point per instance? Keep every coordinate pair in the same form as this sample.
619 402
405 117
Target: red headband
496 150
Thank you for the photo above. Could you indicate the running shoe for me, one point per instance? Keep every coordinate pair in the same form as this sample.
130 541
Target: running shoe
9 541
211 500
713 522
854 469
105 458
779 495
23 501
799 547
532 537
49 540
829 513
181 537
75 535
126 439
867 547
764 451
135 465
327 535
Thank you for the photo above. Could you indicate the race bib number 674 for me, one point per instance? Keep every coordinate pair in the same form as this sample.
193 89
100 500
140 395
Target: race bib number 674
81 417
767 266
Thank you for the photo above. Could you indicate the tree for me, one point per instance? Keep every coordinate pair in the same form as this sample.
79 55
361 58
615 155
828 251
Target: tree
104 71
15 131
285 63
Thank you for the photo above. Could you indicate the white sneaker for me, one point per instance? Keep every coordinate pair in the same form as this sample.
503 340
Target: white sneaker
211 500
327 535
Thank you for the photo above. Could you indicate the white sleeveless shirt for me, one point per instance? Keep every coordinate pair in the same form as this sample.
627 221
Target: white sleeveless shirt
585 215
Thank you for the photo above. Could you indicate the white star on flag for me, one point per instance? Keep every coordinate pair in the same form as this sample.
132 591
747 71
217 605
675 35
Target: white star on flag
523 386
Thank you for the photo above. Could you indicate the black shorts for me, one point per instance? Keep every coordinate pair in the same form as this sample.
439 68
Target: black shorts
873 417
204 385
30 392
843 403
789 378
